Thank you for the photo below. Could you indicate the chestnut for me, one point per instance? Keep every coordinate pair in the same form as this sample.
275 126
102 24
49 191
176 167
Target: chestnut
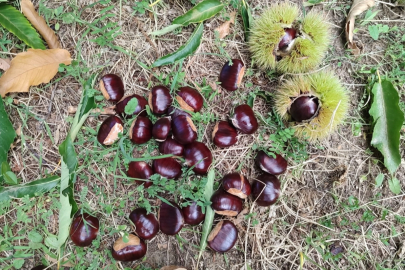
84 229
198 156
173 112
304 108
193 214
183 129
223 237
109 130
140 170
224 135
139 110
171 146
141 130
244 119
189 99
146 225
236 184
112 87
161 129
271 165
170 218
231 75
159 99
286 42
226 204
167 167
266 190
133 250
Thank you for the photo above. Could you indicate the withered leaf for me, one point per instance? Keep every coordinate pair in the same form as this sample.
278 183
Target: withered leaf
223 29
4 64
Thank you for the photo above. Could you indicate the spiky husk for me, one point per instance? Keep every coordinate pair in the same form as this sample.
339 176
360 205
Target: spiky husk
268 30
333 97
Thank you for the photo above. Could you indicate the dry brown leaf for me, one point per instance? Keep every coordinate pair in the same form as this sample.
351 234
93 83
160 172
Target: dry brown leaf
32 68
358 7
223 29
39 23
4 64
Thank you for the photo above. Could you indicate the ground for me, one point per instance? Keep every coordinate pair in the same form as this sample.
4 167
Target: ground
332 214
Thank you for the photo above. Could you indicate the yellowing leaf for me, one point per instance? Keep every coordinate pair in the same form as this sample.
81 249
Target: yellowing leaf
223 29
32 68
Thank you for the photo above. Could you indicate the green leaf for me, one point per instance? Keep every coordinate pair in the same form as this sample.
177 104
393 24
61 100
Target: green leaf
166 30
201 12
31 189
374 31
68 153
131 106
35 237
7 134
10 178
16 23
394 185
379 180
66 208
187 49
387 120
247 18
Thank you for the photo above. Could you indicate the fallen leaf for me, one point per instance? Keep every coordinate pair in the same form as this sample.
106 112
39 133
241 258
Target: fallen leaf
4 64
358 7
223 29
40 24
32 68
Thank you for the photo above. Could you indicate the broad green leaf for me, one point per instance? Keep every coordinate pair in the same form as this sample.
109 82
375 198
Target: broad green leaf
374 31
68 153
10 178
7 135
131 106
387 120
16 23
394 185
187 49
379 180
35 237
247 18
66 208
31 189
201 12
166 30
87 102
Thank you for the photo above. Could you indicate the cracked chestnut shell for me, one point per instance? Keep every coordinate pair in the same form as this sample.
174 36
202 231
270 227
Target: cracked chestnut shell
84 230
231 75
223 237
304 108
171 219
225 203
140 109
167 167
141 130
198 155
159 99
171 146
236 184
271 165
131 251
140 170
161 129
270 185
193 214
146 224
112 87
286 42
109 130
224 135
189 99
183 129
244 119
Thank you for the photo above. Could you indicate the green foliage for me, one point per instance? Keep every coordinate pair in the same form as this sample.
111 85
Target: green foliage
140 7
7 134
131 106
247 18
376 30
201 12
394 185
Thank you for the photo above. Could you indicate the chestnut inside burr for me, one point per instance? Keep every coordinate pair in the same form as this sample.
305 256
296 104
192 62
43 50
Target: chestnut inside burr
304 108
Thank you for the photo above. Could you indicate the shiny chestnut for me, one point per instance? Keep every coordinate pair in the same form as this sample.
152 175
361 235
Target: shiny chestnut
198 155
304 108
173 112
231 74
161 129
159 99
167 167
139 110
189 99
84 229
133 250
141 130
146 224
244 119
170 218
272 165
112 87
140 170
236 184
223 237
286 42
226 204
183 129
266 189
193 214
224 135
109 130
171 146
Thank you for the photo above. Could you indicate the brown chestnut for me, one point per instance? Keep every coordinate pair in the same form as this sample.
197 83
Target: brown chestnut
109 130
304 108
171 146
161 129
146 224
133 250
244 119
189 99
173 112
170 218
224 135
272 165
231 75
266 189
183 129
236 184
140 170
286 42
84 229
159 99
193 214
140 109
226 204
223 237
141 130
112 87
198 155
39 267
167 167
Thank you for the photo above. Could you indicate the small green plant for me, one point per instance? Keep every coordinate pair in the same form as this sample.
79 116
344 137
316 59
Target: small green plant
140 7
